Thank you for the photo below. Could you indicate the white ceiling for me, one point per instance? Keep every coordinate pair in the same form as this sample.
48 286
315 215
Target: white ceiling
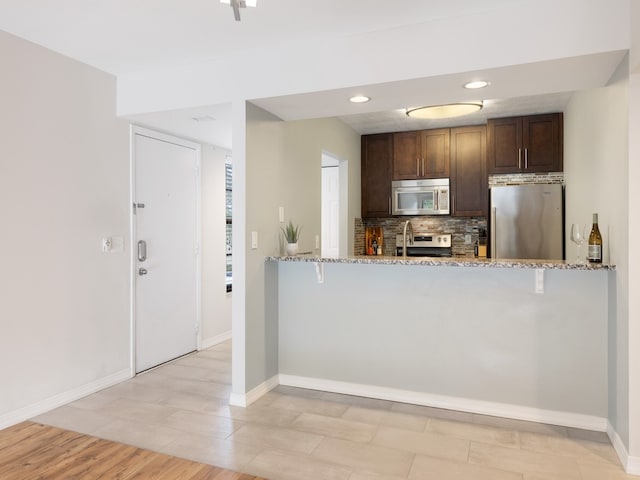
122 36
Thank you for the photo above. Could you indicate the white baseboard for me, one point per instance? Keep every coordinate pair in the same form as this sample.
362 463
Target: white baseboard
518 412
210 342
25 413
246 399
631 464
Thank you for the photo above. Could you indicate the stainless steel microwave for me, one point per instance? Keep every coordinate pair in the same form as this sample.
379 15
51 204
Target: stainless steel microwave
420 197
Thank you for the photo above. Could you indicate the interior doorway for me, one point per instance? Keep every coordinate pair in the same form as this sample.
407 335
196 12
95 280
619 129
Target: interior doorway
165 253
333 200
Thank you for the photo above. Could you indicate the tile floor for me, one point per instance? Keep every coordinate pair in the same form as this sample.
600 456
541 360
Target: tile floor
292 434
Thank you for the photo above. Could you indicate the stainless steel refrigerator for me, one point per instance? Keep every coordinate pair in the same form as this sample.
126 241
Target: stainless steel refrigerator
527 222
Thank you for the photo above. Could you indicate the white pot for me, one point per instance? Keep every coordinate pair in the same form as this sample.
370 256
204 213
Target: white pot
292 248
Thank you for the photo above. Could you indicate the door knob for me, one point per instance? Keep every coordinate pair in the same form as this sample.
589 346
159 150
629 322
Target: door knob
142 271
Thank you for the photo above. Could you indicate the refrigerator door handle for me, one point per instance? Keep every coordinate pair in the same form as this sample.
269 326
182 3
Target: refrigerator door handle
493 233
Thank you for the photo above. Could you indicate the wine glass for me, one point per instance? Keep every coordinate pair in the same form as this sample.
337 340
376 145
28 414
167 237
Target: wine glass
579 237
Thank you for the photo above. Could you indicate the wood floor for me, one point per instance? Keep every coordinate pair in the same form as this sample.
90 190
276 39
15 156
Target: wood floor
32 451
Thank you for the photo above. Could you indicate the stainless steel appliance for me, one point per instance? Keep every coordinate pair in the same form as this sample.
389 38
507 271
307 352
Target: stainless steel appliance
426 245
527 222
420 197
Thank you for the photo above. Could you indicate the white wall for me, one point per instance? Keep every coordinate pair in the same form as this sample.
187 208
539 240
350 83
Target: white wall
283 165
598 162
216 302
595 158
259 175
64 183
476 41
634 234
503 348
306 140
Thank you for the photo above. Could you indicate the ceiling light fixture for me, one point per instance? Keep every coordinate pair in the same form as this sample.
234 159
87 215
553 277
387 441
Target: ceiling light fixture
238 4
359 99
444 111
476 84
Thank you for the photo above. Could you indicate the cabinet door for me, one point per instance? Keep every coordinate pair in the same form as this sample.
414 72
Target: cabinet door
435 153
406 155
469 187
377 151
504 145
542 140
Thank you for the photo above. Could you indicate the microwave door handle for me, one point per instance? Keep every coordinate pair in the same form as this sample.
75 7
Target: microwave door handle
436 193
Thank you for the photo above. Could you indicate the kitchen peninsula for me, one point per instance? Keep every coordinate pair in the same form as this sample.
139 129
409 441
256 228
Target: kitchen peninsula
519 339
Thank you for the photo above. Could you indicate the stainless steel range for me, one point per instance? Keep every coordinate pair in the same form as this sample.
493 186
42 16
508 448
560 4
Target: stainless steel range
426 245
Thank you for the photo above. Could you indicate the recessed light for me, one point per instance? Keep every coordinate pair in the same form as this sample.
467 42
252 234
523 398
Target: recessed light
359 99
476 84
203 118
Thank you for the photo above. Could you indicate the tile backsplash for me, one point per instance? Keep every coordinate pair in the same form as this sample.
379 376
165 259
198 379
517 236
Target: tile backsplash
521 178
458 227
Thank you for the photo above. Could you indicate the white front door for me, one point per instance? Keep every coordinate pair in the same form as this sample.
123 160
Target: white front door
165 193
330 212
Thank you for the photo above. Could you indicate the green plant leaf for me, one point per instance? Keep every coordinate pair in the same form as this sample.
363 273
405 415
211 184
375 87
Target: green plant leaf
291 232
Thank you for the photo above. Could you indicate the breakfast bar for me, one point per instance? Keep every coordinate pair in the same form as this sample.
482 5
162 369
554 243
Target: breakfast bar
514 338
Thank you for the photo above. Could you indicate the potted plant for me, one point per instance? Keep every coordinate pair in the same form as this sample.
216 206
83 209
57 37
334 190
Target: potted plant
291 235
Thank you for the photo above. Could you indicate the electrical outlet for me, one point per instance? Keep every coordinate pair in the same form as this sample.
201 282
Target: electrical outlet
467 239
539 280
317 241
281 214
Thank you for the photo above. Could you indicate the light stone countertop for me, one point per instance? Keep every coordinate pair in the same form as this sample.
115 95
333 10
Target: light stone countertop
455 261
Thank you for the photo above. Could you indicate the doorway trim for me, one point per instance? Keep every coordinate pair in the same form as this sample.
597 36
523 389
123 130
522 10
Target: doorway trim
329 160
138 130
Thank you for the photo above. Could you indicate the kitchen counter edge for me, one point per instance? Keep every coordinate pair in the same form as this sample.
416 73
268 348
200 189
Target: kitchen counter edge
446 262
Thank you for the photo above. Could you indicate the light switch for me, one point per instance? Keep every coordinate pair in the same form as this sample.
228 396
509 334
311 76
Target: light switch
114 244
317 241
254 240
281 214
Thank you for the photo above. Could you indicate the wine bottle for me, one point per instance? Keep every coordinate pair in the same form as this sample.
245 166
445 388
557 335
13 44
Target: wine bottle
594 254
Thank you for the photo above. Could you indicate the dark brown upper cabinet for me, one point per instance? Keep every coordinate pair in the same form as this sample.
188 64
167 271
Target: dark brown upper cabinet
469 187
421 154
525 144
377 154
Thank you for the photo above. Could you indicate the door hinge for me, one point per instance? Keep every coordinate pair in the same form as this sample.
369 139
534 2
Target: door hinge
197 249
197 328
196 171
136 206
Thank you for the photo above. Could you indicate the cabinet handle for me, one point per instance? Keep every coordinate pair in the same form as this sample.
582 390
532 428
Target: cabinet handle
519 158
453 203
423 172
526 158
417 167
389 205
